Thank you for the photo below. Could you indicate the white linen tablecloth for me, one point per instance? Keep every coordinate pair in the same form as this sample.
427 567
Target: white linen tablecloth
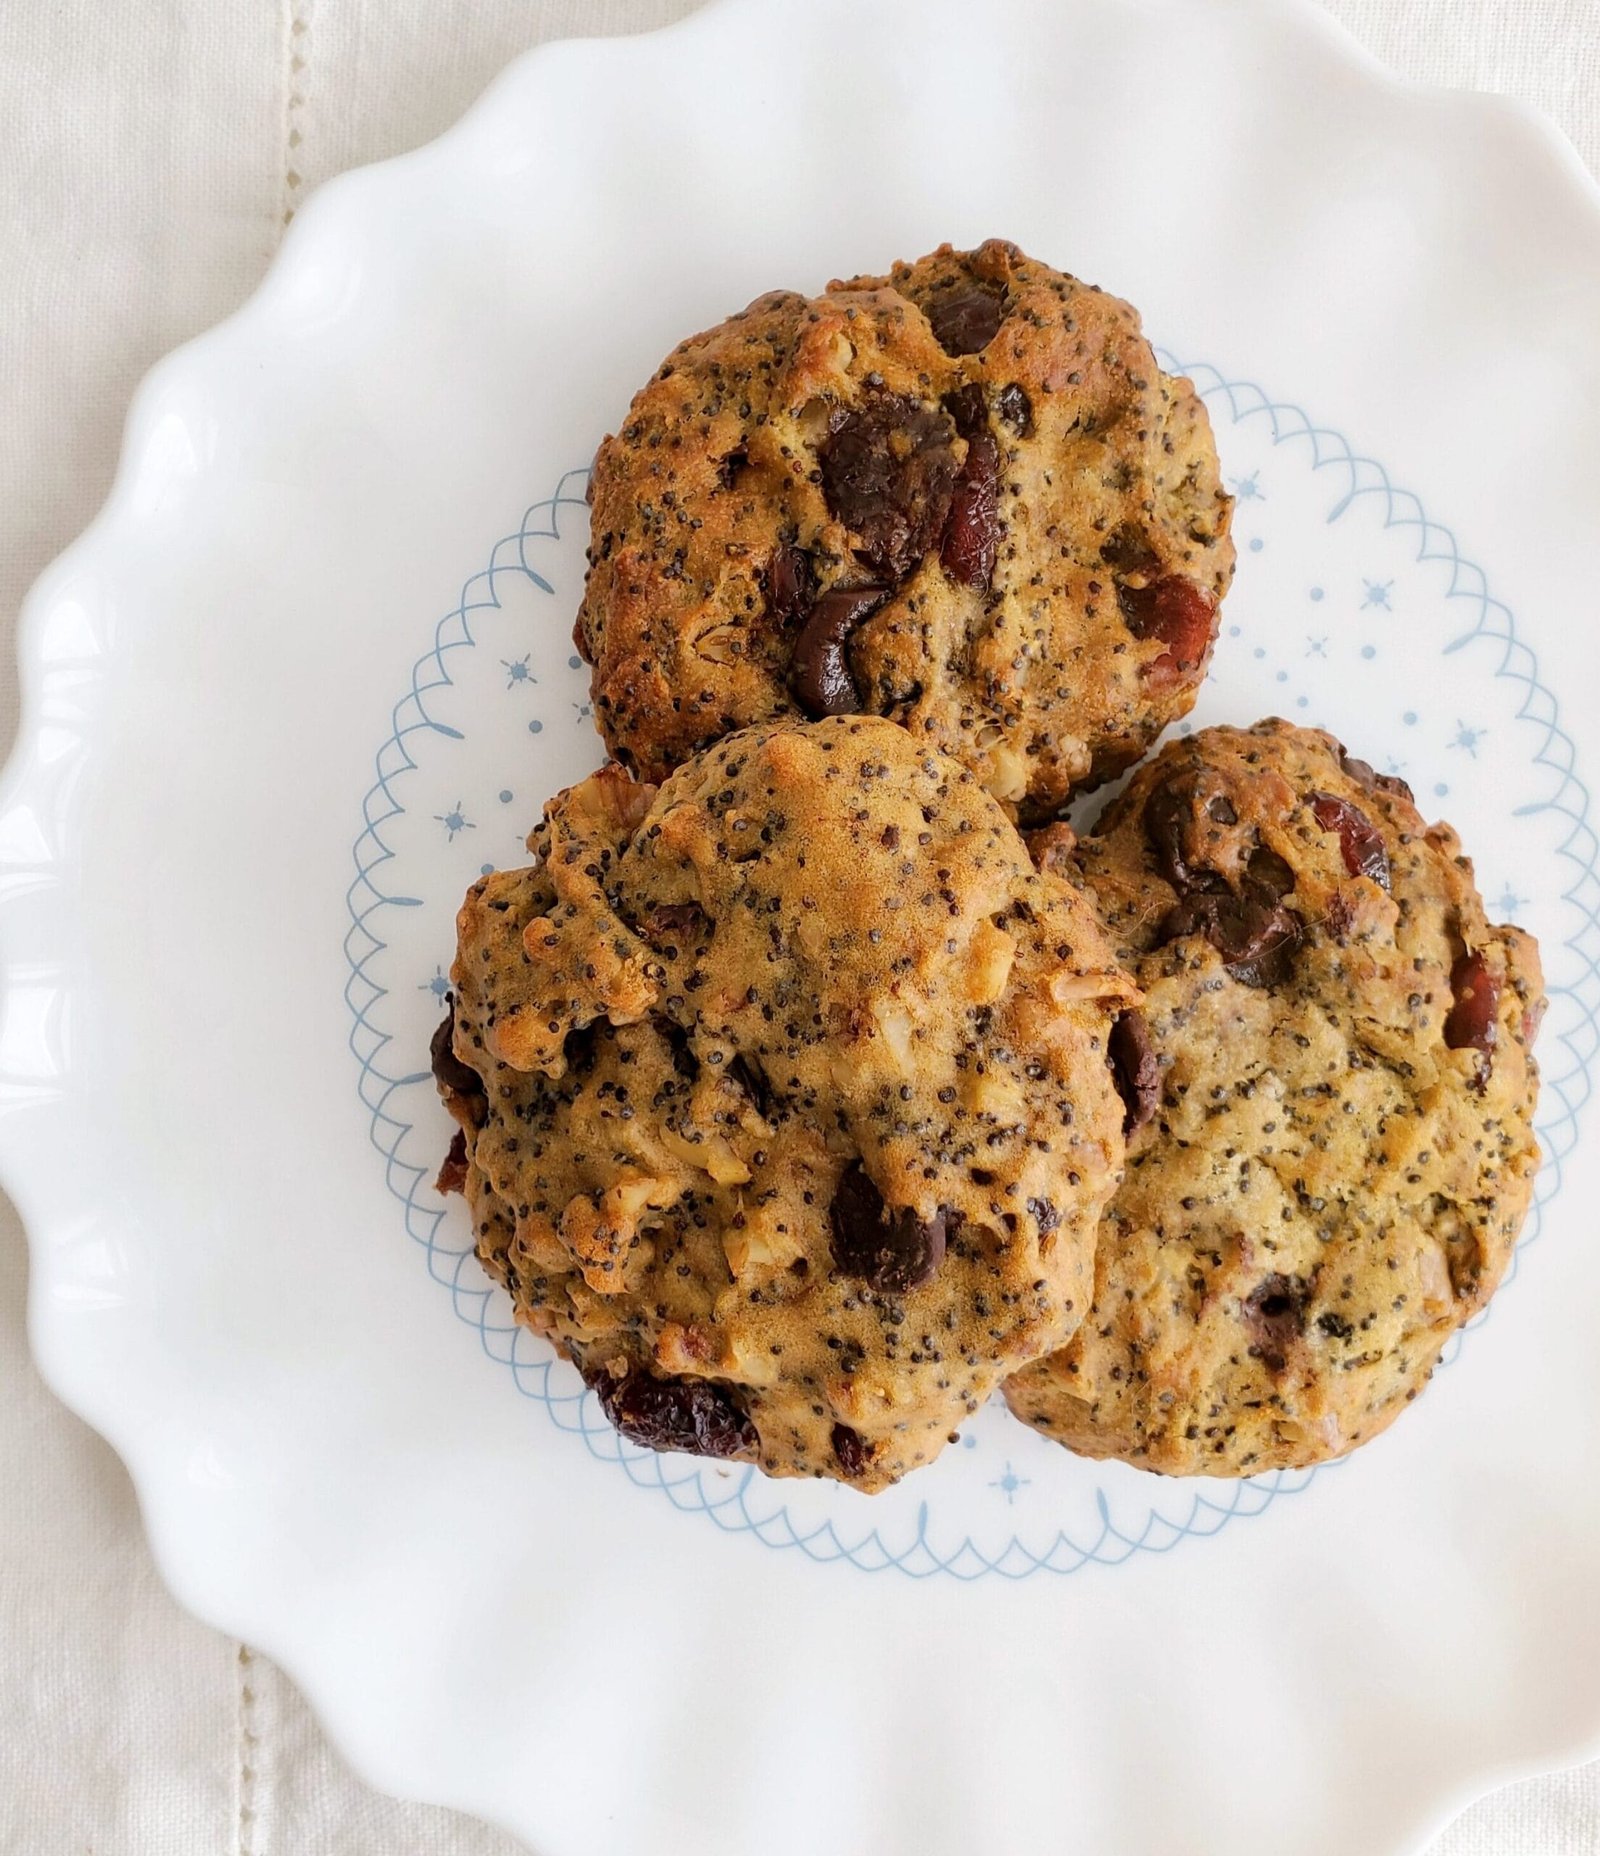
149 158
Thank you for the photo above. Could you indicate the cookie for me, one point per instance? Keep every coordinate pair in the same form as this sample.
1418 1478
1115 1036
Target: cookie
783 1094
963 496
1333 1088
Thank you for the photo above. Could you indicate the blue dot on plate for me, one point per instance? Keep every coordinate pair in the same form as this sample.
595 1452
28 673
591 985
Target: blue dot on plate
487 870
1233 631
505 796
1369 650
1440 790
574 662
1316 592
536 727
1261 650
1410 718
1302 702
1283 676
1257 545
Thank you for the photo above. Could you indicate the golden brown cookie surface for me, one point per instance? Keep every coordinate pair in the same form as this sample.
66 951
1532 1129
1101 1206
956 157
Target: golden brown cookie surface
784 1096
963 496
1336 1068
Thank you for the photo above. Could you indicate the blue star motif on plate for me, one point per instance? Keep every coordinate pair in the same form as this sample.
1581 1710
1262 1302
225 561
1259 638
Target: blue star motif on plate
439 986
1317 647
455 820
1247 490
1377 594
1008 1482
1468 738
517 671
1509 901
584 710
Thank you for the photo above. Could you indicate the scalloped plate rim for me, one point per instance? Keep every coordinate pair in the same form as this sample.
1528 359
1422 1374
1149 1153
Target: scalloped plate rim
1530 136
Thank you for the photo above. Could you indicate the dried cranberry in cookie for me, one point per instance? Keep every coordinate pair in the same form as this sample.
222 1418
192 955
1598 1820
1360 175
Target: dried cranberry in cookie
1339 1149
788 1096
962 495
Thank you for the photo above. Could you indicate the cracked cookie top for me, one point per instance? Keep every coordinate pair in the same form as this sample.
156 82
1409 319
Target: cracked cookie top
963 496
785 1100
1332 1087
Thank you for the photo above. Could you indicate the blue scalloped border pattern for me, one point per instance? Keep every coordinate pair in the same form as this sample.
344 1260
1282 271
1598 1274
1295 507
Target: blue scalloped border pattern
731 1498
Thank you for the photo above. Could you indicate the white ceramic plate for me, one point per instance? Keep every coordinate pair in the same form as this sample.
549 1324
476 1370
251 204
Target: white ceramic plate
267 745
